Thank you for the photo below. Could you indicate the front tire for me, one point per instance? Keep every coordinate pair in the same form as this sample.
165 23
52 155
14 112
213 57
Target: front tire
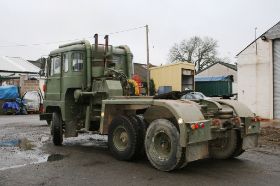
57 130
162 145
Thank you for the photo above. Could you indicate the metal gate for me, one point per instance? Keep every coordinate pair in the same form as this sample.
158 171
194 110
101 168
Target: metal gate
276 79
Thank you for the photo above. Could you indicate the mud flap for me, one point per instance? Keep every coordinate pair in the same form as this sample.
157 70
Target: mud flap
250 141
196 151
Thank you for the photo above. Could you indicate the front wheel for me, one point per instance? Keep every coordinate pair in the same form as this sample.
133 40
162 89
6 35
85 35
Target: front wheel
56 129
162 145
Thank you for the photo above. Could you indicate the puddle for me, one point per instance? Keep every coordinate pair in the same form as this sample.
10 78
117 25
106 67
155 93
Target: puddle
10 143
23 143
55 157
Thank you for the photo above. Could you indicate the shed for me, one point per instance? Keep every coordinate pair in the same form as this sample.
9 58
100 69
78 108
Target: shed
259 74
214 85
179 76
220 68
20 72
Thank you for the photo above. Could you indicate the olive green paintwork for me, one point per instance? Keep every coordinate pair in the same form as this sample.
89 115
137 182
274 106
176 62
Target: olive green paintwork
240 109
59 84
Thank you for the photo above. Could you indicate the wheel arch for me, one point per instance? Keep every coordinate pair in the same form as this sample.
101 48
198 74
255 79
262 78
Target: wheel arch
168 109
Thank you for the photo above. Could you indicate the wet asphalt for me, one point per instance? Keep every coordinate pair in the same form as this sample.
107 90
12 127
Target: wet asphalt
86 161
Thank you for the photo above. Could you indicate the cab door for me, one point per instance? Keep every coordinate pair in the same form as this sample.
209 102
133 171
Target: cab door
54 79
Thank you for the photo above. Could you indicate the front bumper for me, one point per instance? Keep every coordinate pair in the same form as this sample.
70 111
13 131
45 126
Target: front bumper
46 116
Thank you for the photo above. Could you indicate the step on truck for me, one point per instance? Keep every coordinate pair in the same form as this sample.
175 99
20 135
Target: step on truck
87 90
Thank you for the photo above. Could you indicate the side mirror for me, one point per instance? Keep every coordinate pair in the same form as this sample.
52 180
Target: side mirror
42 72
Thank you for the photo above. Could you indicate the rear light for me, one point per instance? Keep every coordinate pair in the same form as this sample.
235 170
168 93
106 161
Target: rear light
195 126
236 121
202 125
41 108
216 122
44 88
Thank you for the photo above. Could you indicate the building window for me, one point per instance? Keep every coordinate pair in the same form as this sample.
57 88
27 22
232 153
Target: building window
65 62
77 63
55 65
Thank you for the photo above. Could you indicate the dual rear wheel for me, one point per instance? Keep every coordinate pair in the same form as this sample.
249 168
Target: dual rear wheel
128 139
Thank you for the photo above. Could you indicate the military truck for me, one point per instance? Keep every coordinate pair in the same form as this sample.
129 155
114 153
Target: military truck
87 90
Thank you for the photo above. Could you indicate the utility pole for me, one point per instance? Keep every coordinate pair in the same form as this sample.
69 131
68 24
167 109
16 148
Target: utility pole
148 60
256 40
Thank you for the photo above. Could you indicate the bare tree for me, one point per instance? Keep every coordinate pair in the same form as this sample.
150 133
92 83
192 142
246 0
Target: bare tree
199 51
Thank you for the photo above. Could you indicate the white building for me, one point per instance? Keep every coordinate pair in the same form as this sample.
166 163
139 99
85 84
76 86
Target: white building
259 74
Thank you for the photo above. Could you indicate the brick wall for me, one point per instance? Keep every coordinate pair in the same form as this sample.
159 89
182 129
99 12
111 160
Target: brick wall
29 85
10 82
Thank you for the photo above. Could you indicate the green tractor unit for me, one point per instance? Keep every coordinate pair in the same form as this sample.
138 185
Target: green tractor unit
87 90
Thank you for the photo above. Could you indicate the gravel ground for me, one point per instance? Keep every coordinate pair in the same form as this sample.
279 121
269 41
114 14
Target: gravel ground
28 157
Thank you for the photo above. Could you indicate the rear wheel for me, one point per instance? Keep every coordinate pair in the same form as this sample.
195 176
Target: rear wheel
122 138
56 129
141 128
162 145
224 148
238 150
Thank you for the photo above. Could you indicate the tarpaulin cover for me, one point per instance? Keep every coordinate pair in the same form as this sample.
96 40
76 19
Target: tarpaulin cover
213 78
9 92
10 105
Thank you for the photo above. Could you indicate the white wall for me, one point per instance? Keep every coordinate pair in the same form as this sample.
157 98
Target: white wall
255 78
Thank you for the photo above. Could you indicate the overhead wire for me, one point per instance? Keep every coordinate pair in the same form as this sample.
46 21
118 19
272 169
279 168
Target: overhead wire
69 40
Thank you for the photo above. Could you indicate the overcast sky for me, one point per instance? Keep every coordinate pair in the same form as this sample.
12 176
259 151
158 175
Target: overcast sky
231 22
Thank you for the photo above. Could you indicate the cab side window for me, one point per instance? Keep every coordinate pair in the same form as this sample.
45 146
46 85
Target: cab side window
77 61
55 65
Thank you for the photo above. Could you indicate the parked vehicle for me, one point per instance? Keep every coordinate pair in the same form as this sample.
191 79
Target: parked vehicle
11 101
33 101
195 96
171 132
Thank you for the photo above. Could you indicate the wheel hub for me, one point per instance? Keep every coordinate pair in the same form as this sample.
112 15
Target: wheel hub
120 138
162 145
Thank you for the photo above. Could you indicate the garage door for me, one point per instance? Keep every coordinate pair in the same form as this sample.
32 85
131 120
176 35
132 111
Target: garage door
276 76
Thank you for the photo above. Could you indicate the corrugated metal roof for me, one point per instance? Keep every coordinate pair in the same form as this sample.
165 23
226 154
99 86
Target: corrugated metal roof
213 78
17 64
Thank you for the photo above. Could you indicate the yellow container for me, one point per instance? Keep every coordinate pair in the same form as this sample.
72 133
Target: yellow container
179 75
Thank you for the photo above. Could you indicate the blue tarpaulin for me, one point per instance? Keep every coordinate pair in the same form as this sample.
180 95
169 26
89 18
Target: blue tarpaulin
214 78
11 105
9 92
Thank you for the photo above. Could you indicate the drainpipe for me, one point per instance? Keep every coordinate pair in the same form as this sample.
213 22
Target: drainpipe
129 57
88 59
